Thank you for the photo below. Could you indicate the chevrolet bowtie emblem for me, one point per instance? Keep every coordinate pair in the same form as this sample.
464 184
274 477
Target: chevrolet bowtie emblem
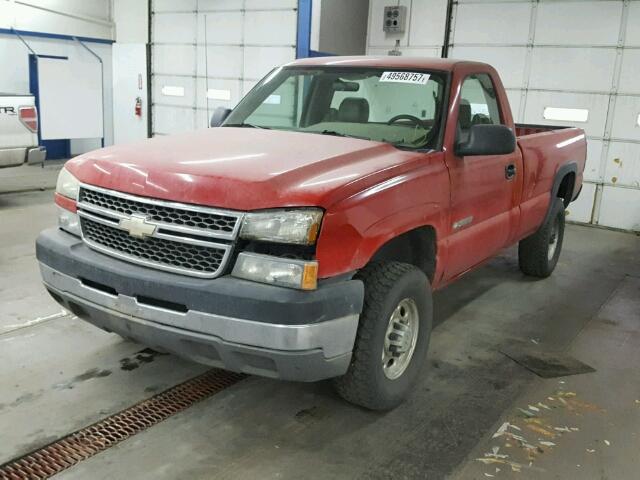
137 226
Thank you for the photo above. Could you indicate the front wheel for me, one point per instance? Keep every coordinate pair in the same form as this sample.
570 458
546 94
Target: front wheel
538 254
392 339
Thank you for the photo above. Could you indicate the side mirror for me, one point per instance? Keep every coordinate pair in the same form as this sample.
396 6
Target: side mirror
220 114
487 140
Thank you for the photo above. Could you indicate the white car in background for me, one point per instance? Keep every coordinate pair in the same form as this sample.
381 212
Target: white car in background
19 131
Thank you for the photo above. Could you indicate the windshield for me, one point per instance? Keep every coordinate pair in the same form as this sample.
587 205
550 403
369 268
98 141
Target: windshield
398 107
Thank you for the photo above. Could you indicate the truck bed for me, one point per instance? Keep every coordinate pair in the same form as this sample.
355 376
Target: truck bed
545 150
524 129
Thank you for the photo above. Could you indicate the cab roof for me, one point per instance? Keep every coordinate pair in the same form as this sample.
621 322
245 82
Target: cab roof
426 63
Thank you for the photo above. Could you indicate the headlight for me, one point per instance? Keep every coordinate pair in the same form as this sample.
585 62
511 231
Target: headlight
69 221
299 226
283 272
67 185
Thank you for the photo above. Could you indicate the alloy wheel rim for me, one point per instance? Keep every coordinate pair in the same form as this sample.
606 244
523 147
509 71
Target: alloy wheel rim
400 339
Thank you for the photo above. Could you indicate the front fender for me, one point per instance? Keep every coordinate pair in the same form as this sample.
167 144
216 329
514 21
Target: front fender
354 229
392 226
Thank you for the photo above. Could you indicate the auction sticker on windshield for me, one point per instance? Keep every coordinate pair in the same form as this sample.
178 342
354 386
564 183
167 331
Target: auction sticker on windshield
405 77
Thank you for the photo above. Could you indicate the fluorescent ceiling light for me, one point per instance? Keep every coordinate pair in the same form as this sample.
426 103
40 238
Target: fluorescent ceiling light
566 114
170 91
215 94
638 120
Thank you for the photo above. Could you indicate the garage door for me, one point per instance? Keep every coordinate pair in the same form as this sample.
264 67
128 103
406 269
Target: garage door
570 63
209 53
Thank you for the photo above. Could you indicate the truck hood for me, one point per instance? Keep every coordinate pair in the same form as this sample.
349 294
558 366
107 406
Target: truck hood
240 168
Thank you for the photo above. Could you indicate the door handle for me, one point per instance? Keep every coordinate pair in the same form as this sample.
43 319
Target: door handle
510 171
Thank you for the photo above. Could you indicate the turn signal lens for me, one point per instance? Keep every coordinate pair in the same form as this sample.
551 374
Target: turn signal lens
310 276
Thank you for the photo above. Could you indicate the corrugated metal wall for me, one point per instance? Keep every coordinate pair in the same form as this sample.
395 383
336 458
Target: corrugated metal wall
244 40
576 55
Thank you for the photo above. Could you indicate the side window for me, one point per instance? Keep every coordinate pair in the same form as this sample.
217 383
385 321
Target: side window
478 104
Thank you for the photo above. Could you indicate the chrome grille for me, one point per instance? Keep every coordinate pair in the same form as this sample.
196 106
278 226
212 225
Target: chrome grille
162 212
159 251
180 238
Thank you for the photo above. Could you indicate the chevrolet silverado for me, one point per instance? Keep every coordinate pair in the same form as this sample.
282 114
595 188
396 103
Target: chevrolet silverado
303 237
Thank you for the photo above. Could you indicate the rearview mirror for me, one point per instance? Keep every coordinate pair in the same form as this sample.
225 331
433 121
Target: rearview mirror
487 140
220 114
342 86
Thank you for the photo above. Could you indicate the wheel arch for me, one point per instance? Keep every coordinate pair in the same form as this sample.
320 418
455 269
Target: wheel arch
566 188
563 186
417 247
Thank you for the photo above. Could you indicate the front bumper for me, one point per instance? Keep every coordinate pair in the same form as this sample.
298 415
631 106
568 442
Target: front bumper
227 322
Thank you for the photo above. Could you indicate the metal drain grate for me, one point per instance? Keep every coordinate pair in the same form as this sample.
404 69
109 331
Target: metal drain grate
85 443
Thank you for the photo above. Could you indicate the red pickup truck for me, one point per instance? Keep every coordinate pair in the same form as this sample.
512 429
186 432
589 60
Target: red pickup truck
302 239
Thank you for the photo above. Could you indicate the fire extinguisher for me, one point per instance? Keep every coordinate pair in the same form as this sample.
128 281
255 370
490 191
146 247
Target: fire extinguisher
138 109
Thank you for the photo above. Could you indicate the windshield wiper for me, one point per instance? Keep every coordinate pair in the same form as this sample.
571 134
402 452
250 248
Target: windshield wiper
338 134
246 125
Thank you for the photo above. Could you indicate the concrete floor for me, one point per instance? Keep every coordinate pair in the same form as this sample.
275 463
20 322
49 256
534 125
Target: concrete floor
60 374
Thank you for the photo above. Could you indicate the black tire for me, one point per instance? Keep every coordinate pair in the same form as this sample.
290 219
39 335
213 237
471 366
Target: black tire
387 284
534 252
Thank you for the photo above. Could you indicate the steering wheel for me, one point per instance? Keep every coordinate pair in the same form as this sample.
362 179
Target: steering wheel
405 116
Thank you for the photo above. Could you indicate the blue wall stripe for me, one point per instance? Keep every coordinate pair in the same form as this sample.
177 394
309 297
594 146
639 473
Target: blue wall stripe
57 36
303 43
55 57
33 87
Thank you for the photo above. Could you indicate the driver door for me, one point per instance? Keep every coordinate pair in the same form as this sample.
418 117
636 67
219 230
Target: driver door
484 189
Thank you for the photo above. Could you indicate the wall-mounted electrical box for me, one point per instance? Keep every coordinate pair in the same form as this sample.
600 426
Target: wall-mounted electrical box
395 19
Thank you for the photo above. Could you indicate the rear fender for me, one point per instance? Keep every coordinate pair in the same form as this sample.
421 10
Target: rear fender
562 172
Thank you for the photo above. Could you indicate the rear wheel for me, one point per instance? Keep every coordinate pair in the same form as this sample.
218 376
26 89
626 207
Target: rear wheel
538 254
392 339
